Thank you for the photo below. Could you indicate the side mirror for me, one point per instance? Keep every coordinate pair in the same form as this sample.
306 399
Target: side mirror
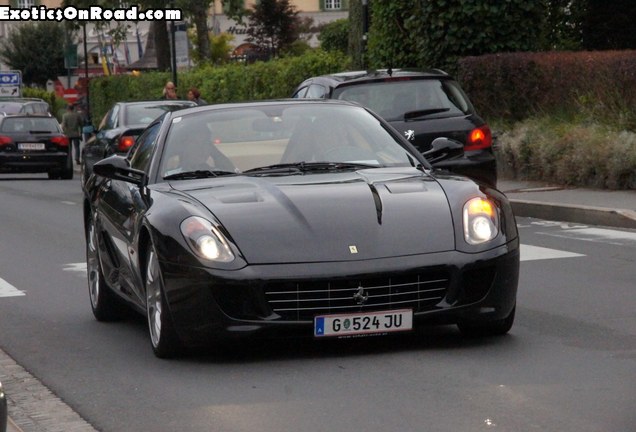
117 168
443 149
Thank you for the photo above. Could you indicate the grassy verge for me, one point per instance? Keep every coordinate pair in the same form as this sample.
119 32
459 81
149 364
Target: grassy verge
567 151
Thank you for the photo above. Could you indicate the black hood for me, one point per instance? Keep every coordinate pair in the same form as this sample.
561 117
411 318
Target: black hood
366 214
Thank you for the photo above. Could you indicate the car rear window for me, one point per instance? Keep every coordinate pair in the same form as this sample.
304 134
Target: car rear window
30 125
392 99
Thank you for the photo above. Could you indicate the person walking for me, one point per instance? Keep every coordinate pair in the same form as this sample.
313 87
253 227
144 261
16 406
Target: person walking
72 127
195 96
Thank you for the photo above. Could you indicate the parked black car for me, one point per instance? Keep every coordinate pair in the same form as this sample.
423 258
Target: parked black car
121 126
24 105
34 143
301 217
422 105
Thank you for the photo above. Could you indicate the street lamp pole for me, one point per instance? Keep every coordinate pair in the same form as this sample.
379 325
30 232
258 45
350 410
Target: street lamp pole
86 86
174 51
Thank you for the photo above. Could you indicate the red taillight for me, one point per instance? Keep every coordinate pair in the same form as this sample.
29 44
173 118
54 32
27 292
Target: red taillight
5 140
60 141
125 143
479 138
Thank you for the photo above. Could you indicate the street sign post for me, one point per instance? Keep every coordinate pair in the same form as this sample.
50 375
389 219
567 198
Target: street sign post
10 83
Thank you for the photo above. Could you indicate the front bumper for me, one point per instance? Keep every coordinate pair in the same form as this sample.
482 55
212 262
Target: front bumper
207 303
32 162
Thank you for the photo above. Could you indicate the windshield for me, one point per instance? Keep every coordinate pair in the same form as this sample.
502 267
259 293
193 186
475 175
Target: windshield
145 114
259 139
392 99
30 125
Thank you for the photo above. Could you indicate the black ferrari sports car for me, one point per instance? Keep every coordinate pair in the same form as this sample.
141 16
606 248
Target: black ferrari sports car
294 217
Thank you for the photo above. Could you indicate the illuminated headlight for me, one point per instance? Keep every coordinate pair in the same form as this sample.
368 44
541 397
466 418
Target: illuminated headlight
481 222
206 240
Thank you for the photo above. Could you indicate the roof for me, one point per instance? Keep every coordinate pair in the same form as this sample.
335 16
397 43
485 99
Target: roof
384 73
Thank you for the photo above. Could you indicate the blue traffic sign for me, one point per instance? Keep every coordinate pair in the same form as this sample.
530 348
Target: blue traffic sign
10 78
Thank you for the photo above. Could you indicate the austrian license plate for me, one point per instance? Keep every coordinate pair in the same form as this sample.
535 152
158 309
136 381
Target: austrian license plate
31 146
363 323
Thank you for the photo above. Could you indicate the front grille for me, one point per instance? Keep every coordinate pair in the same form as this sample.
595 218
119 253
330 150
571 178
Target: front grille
304 299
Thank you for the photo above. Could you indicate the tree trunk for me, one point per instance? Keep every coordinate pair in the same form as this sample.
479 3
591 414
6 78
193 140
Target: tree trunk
203 39
162 44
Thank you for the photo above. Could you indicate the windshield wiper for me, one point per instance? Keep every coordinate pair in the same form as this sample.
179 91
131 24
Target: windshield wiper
423 113
186 175
302 167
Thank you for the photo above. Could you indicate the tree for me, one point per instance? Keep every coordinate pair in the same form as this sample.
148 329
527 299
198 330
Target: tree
197 10
436 33
273 25
609 25
335 35
357 45
37 50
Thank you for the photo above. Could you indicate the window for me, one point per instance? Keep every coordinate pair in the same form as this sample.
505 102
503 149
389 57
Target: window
142 151
23 4
316 91
333 4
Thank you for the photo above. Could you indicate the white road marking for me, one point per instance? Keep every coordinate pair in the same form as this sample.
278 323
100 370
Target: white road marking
598 235
532 253
8 290
68 203
75 267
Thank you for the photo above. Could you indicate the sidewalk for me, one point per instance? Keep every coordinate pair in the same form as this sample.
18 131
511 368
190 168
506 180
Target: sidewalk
571 204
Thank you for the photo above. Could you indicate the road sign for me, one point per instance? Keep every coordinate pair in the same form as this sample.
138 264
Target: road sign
10 83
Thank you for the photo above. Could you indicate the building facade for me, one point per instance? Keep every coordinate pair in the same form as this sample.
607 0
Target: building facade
101 50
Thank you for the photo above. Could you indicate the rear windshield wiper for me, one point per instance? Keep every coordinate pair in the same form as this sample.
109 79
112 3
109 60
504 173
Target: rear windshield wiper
186 175
423 113
302 167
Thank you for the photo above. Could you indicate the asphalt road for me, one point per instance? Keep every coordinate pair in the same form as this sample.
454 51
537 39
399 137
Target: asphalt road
569 363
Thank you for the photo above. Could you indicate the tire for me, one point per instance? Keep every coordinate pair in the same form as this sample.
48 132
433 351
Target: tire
163 338
488 328
104 302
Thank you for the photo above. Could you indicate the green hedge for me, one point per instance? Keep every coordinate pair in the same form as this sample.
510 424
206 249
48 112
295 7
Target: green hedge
217 84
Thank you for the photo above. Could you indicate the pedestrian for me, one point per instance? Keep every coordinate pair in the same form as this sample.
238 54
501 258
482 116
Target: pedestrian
195 96
169 91
72 127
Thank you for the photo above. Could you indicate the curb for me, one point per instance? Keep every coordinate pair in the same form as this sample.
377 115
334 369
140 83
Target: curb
617 218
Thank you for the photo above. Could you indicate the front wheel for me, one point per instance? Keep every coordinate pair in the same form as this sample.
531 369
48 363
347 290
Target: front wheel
164 340
488 328
104 302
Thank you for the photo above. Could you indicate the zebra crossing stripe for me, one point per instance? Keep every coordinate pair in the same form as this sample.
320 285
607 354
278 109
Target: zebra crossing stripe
8 290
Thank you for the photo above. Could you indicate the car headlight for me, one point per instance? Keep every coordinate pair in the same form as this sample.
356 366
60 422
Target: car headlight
481 221
206 240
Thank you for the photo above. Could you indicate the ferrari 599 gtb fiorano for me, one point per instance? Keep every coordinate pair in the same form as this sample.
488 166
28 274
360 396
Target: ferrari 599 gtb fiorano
294 217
